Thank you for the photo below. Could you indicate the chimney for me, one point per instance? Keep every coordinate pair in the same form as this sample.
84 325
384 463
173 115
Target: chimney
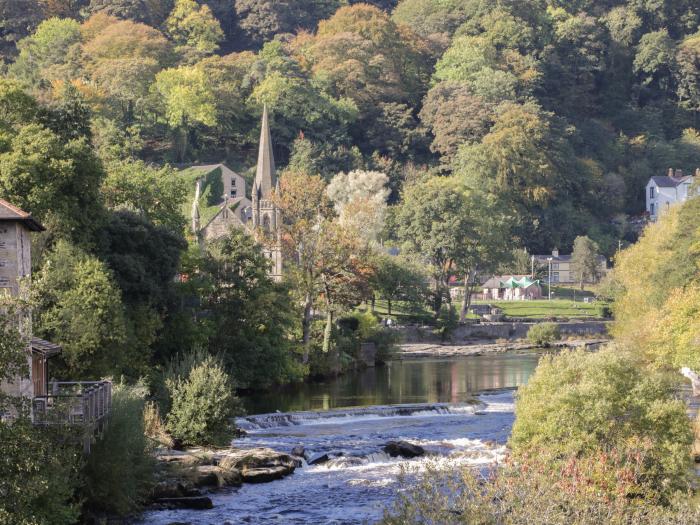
670 172
555 252
697 172
679 174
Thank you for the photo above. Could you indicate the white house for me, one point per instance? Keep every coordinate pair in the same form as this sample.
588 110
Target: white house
664 191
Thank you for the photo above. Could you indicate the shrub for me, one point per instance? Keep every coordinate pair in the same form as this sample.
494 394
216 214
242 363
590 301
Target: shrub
543 334
203 404
607 488
38 471
119 469
580 403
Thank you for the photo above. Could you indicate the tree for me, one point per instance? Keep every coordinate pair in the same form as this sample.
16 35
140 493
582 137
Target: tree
187 101
194 26
360 201
19 19
396 279
50 53
80 308
654 60
455 116
525 164
57 180
585 404
122 57
252 314
156 193
261 20
434 219
151 12
584 260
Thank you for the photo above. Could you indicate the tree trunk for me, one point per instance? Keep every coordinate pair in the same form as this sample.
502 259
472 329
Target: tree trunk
329 330
372 303
306 326
388 306
465 301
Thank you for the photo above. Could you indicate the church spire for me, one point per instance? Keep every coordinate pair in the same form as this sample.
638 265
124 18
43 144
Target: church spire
265 173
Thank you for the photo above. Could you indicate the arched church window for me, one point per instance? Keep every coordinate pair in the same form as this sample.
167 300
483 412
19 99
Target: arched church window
266 223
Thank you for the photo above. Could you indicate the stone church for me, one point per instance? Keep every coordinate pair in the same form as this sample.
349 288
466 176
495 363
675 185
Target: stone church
257 216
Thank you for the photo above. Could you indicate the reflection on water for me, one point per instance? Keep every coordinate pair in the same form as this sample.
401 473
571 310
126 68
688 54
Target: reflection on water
412 381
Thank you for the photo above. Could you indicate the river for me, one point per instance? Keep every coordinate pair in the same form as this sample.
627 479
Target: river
460 410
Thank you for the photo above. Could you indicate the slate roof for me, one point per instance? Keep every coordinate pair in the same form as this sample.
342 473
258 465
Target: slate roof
664 181
8 212
265 172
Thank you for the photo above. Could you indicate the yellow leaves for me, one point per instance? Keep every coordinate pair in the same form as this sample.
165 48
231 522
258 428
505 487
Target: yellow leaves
675 336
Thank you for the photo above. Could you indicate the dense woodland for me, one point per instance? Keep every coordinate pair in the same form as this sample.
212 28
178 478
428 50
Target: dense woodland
459 132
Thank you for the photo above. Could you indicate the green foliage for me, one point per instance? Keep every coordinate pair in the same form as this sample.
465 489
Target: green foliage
119 470
251 313
606 488
80 308
192 25
203 404
580 403
156 193
38 474
584 260
543 334
48 54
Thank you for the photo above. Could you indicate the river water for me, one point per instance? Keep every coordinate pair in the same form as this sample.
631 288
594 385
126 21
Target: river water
460 410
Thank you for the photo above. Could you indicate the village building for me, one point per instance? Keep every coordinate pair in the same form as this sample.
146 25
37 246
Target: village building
220 202
664 191
511 288
84 403
562 270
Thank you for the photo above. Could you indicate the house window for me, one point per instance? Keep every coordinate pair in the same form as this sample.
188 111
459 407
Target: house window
555 275
3 263
555 266
234 192
651 208
3 244
652 192
4 282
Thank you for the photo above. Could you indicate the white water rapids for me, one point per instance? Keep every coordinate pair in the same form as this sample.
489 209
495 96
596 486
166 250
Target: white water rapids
360 481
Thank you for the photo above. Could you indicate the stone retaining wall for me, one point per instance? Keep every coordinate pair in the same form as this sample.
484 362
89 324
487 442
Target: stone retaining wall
501 330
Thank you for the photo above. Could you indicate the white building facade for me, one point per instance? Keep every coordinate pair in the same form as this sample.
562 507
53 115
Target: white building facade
662 192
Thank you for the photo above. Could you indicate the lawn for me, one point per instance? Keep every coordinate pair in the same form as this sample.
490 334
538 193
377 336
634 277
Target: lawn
545 308
529 309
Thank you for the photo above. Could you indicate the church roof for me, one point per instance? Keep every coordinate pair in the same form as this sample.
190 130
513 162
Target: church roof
8 212
265 173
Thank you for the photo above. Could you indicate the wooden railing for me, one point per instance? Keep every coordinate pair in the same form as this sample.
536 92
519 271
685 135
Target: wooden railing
85 403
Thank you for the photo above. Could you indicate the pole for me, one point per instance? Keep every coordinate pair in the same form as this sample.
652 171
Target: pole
532 267
549 286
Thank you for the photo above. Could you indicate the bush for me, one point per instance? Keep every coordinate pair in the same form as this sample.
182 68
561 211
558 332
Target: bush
38 471
585 404
119 469
543 334
203 404
607 488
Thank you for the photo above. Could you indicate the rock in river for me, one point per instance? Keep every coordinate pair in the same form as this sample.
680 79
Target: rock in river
259 465
403 449
299 451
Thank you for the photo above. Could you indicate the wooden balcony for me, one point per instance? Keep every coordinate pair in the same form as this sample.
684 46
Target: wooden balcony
85 403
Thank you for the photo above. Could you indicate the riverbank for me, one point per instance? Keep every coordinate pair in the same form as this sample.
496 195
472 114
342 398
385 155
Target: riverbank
485 347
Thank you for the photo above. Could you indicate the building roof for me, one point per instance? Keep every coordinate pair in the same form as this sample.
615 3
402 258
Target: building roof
8 212
664 181
510 281
45 348
211 167
265 173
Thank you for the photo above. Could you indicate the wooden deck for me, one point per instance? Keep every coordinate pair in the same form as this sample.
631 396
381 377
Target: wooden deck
85 404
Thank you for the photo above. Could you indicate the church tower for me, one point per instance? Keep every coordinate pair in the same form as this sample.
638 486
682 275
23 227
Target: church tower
266 215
